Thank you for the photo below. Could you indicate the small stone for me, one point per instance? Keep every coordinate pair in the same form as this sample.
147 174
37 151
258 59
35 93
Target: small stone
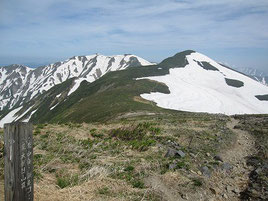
214 191
172 166
208 154
218 158
184 196
192 171
192 155
170 153
205 171
226 167
176 147
229 189
181 153
237 127
174 153
225 196
236 191
258 170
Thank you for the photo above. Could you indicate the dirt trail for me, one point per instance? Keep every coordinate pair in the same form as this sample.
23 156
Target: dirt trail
243 147
229 183
224 183
167 193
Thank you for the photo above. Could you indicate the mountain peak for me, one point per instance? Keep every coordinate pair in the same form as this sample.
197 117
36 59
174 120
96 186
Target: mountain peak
178 60
200 84
20 83
187 81
14 66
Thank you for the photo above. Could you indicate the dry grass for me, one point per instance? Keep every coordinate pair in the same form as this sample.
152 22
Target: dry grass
89 190
141 100
91 164
2 192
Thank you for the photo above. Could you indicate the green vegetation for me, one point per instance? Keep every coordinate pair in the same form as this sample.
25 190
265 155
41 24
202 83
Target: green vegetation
125 155
47 100
197 182
65 180
178 60
129 150
138 184
208 66
139 137
104 191
234 83
113 95
262 97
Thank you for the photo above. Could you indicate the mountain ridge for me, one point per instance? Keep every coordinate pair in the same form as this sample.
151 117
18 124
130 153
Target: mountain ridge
121 92
255 74
20 83
202 80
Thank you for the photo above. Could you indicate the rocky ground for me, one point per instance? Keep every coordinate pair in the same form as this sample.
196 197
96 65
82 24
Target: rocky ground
257 127
226 181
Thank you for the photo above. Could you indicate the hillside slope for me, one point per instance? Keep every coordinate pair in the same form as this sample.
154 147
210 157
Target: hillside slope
203 85
19 84
188 81
22 89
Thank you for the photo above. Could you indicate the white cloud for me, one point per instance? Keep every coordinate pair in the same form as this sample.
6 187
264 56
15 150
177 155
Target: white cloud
67 27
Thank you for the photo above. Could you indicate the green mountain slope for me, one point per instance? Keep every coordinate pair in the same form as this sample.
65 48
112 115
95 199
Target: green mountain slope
114 94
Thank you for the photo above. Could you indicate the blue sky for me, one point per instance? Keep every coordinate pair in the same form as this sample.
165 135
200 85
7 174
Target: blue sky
39 32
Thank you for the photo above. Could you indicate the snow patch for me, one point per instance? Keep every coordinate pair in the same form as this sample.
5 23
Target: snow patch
53 106
76 85
195 89
10 117
27 120
24 113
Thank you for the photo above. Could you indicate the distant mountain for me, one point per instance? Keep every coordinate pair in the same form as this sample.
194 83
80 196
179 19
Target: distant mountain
20 84
255 74
187 81
199 84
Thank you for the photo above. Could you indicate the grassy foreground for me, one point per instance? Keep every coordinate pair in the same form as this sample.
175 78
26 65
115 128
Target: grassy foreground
125 158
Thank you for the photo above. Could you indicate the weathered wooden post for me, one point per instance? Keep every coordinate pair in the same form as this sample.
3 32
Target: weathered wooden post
18 149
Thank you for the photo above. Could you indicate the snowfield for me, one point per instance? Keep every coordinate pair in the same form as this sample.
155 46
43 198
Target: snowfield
195 89
17 81
20 84
11 116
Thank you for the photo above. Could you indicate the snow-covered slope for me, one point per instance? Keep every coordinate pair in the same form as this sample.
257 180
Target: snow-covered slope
20 84
203 85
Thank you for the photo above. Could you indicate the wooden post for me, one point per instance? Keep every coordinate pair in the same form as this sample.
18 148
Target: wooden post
18 149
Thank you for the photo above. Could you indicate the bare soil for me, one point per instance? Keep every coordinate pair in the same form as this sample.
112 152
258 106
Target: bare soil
222 184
